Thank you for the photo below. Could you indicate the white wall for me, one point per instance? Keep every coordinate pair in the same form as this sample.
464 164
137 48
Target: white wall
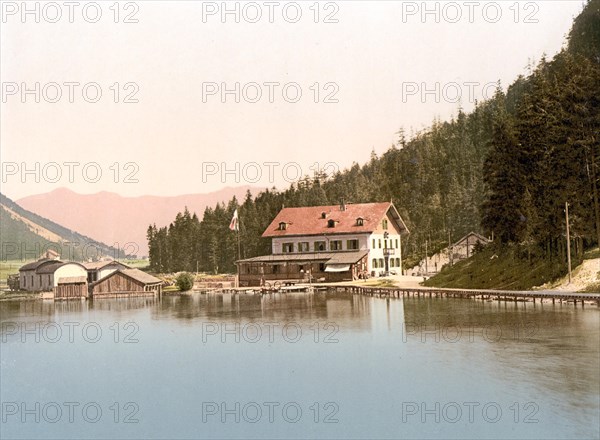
365 242
41 282
377 252
106 271
69 270
277 243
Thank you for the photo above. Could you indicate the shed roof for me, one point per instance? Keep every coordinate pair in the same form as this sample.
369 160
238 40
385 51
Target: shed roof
50 267
35 264
95 265
72 280
472 234
134 274
309 220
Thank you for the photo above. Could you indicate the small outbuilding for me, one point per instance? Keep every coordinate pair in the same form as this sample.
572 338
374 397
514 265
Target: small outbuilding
49 275
126 282
99 269
464 247
71 287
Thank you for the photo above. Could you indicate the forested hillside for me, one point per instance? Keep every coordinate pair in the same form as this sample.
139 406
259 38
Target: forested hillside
505 169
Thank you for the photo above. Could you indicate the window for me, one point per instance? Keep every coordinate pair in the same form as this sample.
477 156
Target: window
282 226
385 244
320 246
360 221
335 245
331 223
397 262
373 244
303 246
322 267
374 263
287 248
379 243
397 244
275 268
352 244
391 262
384 223
381 262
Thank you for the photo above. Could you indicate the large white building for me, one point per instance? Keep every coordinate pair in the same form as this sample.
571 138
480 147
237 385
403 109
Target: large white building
332 243
45 275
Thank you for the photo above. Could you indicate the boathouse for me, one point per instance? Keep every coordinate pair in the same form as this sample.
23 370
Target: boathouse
328 243
126 282
49 275
99 269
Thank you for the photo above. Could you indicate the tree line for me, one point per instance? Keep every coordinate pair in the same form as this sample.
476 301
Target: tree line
504 169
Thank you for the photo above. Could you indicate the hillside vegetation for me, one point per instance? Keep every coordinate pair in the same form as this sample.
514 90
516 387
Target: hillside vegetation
26 235
499 267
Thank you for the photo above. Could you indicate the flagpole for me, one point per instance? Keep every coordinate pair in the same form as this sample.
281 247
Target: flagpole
235 227
239 248
239 256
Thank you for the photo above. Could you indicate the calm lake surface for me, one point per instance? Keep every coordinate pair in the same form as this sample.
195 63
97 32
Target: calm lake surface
323 365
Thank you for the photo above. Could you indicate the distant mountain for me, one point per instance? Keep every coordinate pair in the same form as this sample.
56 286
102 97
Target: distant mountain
26 235
124 220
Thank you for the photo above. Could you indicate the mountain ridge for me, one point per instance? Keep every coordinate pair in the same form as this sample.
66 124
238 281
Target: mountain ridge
122 220
26 235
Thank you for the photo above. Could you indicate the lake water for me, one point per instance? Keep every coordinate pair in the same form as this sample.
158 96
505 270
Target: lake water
323 365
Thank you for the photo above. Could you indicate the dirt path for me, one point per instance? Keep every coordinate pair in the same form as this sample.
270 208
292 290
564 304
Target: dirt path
585 274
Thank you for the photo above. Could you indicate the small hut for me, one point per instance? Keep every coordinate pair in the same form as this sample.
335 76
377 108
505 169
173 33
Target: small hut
99 269
126 282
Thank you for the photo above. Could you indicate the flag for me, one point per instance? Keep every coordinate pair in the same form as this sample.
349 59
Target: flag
234 225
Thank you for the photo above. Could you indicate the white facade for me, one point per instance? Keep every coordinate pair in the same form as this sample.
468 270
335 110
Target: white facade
377 250
45 281
375 243
69 270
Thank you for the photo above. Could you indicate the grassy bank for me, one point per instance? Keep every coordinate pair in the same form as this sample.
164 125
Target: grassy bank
504 268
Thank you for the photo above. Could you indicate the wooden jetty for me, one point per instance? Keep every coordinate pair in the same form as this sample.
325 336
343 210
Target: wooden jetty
540 296
482 294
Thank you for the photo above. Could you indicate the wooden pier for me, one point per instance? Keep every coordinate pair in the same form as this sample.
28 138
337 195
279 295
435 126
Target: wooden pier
541 296
486 295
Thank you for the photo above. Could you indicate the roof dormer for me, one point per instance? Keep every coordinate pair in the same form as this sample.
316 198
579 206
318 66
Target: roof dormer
282 226
360 221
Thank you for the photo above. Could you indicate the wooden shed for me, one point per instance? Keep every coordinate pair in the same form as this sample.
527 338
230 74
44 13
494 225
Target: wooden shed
126 282
71 288
99 269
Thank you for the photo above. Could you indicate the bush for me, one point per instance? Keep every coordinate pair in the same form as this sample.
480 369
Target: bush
184 281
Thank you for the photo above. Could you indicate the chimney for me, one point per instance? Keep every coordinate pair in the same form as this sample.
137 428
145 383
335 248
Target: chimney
342 205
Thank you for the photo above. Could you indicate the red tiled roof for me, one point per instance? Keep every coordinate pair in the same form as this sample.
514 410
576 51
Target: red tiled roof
309 221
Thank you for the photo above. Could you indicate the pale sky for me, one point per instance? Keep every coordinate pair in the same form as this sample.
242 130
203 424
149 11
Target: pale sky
376 60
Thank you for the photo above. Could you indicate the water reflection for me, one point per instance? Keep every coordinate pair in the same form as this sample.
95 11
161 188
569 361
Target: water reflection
388 351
